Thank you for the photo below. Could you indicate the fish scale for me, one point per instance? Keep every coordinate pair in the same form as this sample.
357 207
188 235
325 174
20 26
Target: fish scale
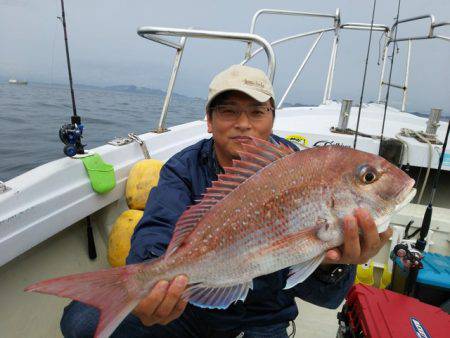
275 208
225 243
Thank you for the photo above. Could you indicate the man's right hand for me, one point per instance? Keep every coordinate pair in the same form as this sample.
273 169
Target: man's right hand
163 303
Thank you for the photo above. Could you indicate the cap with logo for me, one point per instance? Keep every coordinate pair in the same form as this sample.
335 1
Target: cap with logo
251 81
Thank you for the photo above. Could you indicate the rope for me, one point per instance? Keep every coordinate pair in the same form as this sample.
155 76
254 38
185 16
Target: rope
365 74
412 133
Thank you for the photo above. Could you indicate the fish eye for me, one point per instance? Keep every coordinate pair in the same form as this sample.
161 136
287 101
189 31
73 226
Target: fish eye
367 174
369 177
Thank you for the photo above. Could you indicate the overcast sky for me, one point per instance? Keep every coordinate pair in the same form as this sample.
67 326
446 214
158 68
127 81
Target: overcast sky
105 49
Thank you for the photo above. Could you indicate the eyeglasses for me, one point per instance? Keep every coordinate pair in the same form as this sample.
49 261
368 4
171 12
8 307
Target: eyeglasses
229 112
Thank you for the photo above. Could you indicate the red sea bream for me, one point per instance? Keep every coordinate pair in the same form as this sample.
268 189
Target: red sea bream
275 208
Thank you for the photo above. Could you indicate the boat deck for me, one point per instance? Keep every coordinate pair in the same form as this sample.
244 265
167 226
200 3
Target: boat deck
26 312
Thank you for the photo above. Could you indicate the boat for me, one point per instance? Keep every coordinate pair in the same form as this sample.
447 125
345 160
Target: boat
17 82
43 214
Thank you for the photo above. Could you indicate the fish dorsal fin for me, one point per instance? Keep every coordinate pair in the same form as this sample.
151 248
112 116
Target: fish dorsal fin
256 154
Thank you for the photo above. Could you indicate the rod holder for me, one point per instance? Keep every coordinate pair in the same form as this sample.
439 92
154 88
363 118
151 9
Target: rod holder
433 121
344 114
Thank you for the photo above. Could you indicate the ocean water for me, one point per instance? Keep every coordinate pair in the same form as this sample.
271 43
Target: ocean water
30 118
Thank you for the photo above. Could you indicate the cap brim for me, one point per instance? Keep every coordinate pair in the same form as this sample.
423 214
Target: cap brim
257 95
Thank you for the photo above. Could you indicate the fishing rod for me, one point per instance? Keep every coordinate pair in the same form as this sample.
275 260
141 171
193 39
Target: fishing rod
70 134
411 255
426 222
420 244
365 74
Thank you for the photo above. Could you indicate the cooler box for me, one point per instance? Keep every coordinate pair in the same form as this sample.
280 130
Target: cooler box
433 281
375 313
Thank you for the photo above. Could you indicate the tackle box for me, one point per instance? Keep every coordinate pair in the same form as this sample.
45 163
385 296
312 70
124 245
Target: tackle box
374 313
432 283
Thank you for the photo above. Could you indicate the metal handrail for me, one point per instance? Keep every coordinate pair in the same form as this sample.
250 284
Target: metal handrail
337 26
153 33
294 79
415 18
336 18
389 40
354 26
364 26
288 38
440 24
148 32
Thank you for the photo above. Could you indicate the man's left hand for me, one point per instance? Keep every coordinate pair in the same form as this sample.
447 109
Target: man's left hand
358 249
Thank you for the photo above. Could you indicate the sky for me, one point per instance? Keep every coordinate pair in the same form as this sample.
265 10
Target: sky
106 50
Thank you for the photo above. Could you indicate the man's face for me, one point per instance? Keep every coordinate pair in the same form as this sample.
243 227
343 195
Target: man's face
227 132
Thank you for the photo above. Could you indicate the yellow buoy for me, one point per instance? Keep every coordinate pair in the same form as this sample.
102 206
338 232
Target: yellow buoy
143 177
120 236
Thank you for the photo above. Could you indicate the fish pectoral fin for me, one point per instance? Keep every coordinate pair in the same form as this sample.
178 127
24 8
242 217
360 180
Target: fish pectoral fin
216 298
298 273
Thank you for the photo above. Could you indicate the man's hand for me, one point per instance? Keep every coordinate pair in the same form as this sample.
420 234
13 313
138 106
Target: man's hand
358 249
163 304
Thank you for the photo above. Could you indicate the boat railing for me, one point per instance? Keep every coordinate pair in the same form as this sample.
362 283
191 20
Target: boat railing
337 26
154 33
391 39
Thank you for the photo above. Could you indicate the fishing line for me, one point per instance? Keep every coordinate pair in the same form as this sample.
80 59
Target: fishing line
53 46
390 76
72 94
365 74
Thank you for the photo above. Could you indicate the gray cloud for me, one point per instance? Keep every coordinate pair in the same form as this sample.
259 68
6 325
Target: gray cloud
106 50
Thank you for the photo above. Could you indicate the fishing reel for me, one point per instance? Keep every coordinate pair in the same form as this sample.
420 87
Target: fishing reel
71 134
410 257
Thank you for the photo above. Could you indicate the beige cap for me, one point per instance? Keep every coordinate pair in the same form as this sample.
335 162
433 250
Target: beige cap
251 81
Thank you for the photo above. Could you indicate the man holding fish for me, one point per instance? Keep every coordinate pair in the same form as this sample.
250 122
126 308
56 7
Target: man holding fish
240 110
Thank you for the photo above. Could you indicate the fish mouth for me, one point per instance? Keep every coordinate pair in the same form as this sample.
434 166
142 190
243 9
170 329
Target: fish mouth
406 200
408 194
406 197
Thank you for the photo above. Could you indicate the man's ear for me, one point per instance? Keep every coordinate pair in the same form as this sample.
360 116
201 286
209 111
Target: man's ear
209 122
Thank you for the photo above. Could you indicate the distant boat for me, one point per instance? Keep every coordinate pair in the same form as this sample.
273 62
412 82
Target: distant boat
17 82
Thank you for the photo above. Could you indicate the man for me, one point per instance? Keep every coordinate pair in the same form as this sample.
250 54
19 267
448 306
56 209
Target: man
240 104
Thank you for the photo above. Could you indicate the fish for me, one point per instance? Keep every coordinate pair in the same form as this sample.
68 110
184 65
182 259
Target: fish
274 208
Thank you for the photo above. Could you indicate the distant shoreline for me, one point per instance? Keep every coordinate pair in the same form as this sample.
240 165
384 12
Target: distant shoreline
145 90
117 88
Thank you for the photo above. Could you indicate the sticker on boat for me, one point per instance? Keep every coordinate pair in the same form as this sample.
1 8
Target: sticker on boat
299 140
419 329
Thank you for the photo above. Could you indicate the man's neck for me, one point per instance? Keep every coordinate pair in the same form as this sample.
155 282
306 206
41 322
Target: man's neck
222 161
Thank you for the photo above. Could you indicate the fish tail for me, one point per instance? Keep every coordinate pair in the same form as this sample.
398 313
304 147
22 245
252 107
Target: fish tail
115 292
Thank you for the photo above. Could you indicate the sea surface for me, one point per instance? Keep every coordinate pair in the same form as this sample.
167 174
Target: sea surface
31 115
